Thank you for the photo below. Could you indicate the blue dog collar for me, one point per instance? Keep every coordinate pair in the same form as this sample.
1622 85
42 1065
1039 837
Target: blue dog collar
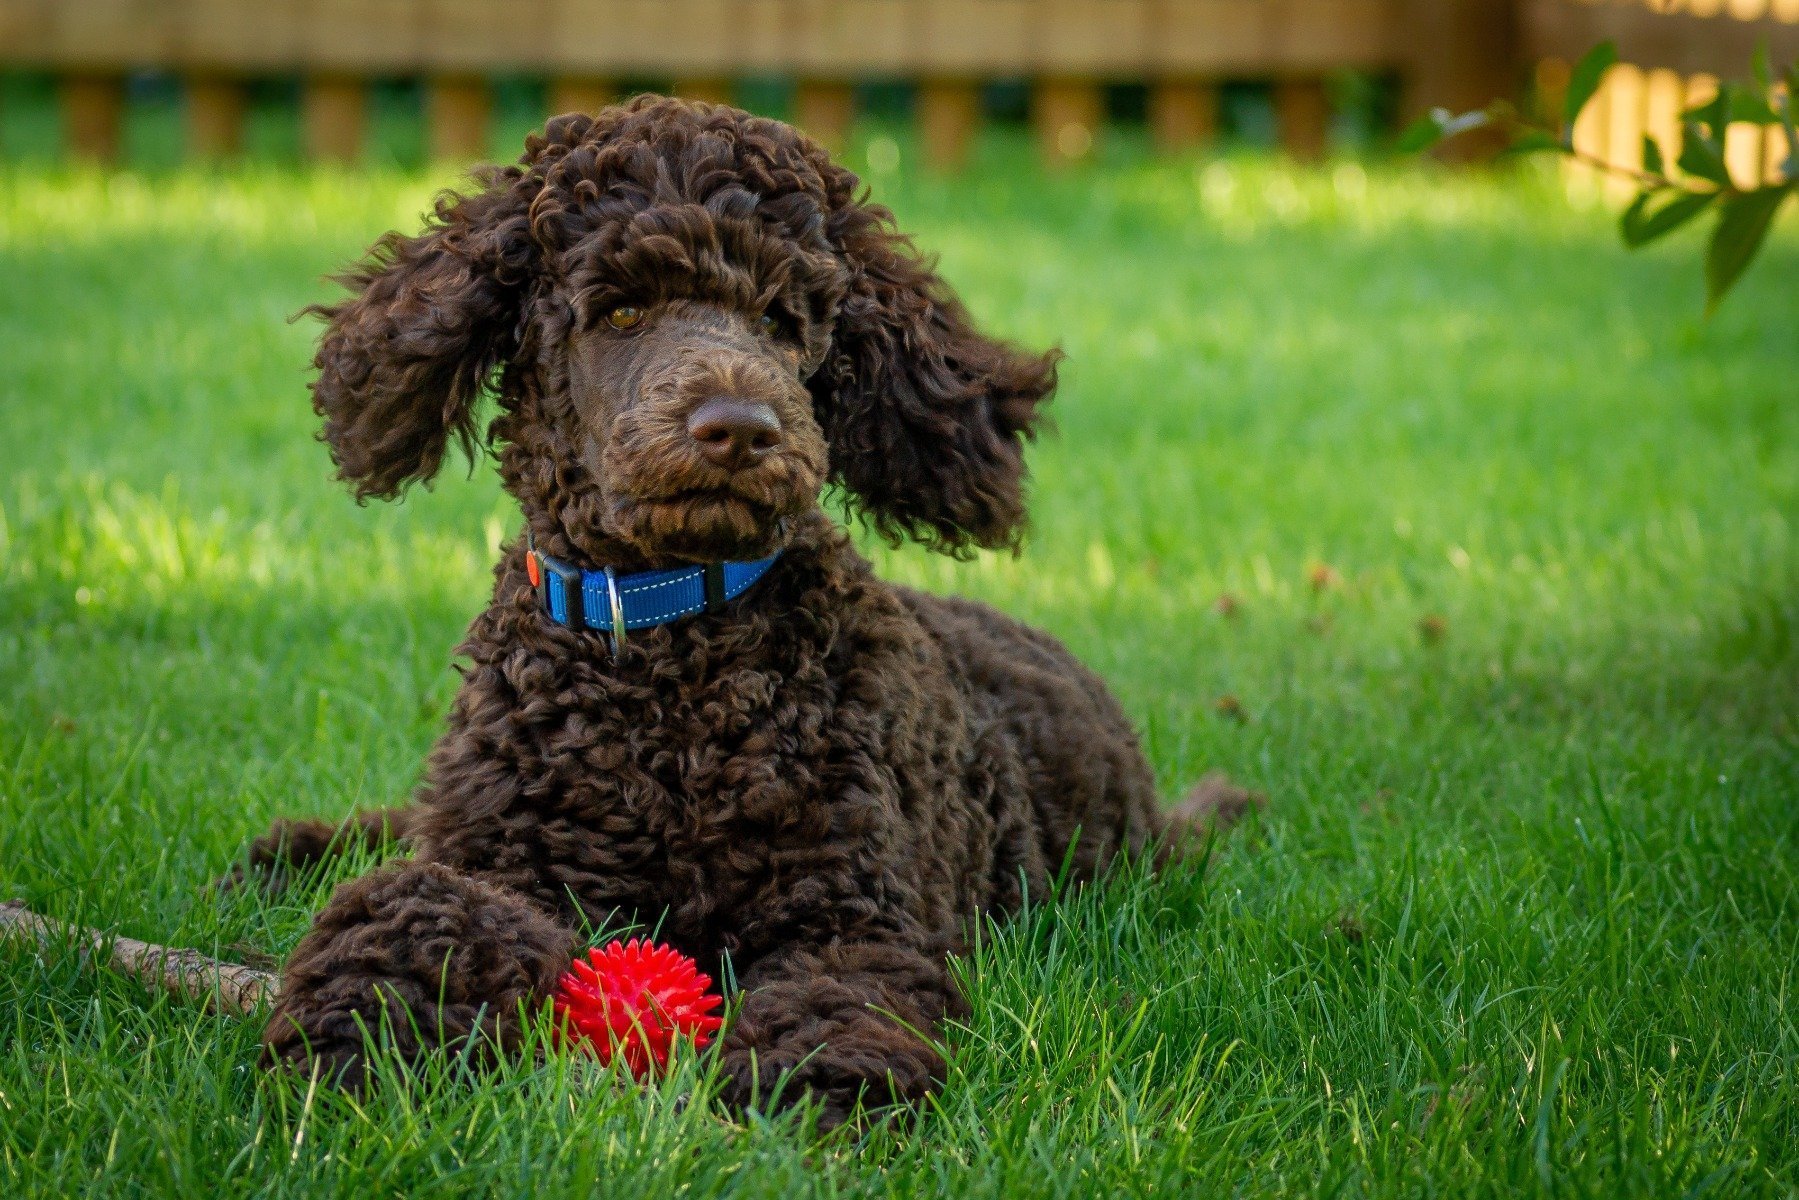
615 604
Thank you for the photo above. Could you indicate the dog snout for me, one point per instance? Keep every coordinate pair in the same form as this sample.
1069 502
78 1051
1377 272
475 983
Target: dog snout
734 433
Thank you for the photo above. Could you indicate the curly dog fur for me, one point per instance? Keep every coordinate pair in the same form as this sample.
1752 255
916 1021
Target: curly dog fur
818 786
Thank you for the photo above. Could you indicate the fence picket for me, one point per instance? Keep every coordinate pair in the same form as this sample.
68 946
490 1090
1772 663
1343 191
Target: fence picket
1451 53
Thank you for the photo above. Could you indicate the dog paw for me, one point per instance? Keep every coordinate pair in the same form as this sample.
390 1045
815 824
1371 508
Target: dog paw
343 1066
867 1068
279 858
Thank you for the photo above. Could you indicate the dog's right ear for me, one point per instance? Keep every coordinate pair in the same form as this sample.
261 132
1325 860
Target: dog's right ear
405 358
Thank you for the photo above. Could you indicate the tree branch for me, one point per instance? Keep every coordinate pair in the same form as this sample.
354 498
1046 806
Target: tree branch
185 973
1647 179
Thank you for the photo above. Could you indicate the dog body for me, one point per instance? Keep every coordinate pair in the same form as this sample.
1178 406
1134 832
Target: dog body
692 324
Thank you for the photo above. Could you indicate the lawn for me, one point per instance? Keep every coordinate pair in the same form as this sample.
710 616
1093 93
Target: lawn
1512 643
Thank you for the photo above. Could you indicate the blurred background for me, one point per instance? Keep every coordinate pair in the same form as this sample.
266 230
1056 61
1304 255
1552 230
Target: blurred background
155 81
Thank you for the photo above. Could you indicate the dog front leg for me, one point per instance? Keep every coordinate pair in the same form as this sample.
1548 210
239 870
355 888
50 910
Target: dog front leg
293 847
850 1022
428 954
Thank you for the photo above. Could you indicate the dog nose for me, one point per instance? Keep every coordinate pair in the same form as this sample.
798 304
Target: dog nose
734 433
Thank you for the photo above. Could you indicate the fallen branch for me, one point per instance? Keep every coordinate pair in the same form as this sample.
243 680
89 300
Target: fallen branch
185 973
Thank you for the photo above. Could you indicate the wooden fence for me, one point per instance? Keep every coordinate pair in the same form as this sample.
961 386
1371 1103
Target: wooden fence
1672 53
1454 53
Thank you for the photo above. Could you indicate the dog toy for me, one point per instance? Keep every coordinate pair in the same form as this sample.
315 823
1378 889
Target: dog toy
632 1000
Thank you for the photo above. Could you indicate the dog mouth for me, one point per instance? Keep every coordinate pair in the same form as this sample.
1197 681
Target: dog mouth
669 505
702 525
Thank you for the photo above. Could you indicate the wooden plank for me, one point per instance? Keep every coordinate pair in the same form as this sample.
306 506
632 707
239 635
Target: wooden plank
845 39
973 38
92 105
1628 110
1209 38
581 38
824 110
214 116
106 35
1218 37
1068 115
1663 91
1183 114
948 114
459 117
1681 40
1302 112
1331 35
27 32
849 39
214 36
481 36
362 36
1744 152
692 37
614 37
1091 38
761 37
334 112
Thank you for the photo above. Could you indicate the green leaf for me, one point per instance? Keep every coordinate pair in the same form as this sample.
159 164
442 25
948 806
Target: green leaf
1742 225
1790 168
1703 157
1652 156
1714 114
1421 134
1639 226
1584 80
1633 217
1747 105
1760 69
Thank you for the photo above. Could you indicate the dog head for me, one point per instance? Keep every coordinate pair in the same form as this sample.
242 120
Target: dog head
692 320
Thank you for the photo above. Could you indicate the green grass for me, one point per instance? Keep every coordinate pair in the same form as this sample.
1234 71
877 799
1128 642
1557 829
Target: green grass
1522 916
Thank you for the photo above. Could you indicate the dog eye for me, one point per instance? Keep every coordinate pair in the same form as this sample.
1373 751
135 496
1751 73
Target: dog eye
624 316
769 324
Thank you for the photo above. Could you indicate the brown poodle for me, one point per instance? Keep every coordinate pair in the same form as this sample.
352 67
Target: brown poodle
809 779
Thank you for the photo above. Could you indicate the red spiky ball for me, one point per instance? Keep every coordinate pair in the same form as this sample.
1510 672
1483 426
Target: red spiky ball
631 1000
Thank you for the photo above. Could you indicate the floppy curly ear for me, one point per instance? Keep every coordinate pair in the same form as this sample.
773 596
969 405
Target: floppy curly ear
926 417
404 359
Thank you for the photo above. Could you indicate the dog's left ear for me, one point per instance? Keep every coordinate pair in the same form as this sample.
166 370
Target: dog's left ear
405 358
925 416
